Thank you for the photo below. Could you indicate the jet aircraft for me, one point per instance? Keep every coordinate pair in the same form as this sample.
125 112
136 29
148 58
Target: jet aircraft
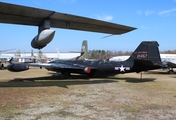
44 19
145 57
3 57
170 61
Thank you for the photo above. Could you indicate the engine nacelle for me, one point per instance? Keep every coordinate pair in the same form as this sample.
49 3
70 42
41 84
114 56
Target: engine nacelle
42 39
17 67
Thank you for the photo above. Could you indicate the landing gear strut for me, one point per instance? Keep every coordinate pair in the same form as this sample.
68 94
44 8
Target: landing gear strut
171 71
65 75
2 66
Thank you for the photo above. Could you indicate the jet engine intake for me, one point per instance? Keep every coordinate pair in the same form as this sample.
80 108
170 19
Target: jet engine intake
17 67
42 39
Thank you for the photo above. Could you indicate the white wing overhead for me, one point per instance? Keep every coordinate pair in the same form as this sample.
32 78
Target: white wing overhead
17 14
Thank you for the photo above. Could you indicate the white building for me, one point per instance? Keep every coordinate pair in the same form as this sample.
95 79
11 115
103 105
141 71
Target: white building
47 56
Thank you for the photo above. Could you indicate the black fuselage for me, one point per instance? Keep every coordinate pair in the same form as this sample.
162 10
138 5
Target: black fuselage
102 66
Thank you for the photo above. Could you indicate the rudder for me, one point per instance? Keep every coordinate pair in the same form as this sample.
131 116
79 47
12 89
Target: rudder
84 50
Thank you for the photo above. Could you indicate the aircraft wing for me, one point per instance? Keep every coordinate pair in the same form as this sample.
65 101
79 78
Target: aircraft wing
171 64
61 67
57 66
17 14
145 63
49 65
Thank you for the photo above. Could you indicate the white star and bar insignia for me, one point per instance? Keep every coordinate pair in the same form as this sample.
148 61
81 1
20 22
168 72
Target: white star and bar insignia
122 69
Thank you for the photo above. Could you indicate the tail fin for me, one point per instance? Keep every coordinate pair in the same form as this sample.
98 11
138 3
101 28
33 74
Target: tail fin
147 50
84 50
32 53
11 60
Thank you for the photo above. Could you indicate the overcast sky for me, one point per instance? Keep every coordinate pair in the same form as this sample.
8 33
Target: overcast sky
154 19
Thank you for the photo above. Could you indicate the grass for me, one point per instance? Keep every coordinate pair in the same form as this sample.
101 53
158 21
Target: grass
19 91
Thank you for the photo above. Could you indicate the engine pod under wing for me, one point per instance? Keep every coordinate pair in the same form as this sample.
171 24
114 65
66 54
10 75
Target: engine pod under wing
42 39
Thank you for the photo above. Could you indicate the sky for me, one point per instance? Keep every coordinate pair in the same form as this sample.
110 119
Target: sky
155 20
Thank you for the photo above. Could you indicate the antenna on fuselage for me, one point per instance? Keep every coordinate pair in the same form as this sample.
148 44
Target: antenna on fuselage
107 36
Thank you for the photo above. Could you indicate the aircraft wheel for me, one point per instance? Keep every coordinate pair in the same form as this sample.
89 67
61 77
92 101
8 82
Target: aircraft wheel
171 71
65 75
2 66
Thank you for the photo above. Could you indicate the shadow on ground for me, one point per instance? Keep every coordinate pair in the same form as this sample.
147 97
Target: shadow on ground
135 80
74 80
52 81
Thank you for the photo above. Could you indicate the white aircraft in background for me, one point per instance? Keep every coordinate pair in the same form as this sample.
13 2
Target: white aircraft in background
168 59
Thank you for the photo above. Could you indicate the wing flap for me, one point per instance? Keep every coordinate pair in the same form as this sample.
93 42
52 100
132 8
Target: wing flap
146 63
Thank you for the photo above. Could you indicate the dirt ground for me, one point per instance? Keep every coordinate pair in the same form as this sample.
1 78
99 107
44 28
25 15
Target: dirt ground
37 94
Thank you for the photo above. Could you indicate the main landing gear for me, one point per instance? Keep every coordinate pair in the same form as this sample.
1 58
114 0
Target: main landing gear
64 75
171 71
2 66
